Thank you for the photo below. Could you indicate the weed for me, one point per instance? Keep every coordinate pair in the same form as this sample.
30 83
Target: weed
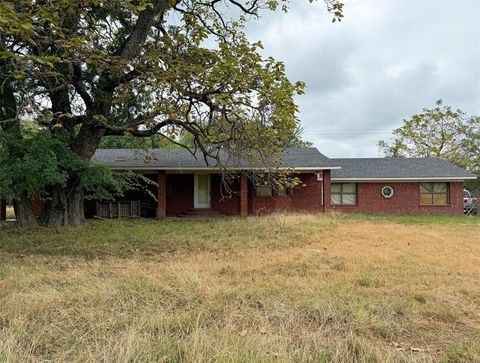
367 281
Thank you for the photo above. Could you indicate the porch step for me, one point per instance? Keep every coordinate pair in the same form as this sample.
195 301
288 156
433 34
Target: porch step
200 213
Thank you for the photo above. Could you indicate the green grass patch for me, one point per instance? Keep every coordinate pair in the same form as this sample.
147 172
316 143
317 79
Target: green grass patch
420 298
413 219
142 237
367 281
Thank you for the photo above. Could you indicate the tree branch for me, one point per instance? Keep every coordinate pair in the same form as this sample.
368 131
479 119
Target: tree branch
134 42
80 87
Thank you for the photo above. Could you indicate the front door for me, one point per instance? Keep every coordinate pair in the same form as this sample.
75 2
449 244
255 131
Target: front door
201 193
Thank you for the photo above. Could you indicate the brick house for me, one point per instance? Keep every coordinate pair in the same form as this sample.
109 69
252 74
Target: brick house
188 186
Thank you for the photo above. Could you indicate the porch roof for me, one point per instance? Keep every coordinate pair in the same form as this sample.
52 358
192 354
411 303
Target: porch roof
181 159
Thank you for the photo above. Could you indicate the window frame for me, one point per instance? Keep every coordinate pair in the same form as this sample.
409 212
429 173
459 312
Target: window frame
274 189
342 193
388 196
432 194
257 188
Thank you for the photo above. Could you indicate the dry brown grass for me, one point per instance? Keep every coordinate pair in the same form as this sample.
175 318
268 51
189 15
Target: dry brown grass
355 291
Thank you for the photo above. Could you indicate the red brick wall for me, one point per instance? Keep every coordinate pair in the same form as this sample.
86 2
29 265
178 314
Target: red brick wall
326 190
161 194
227 202
307 197
179 193
406 200
243 195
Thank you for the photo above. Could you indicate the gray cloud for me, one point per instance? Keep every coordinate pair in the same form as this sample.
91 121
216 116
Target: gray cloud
384 62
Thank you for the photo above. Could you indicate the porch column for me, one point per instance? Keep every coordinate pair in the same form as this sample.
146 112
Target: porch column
243 195
326 190
3 210
162 195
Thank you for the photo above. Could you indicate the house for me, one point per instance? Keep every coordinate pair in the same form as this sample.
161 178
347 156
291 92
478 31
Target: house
189 186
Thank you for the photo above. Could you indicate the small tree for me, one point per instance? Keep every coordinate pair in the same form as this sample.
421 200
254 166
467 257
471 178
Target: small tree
438 132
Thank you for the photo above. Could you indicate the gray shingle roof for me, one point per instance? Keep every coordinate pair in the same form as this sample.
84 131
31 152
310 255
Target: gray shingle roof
398 168
298 158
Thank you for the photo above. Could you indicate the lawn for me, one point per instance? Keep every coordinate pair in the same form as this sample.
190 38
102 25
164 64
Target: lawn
281 288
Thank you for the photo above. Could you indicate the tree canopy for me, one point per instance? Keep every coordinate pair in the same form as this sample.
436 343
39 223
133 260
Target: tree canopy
440 131
86 69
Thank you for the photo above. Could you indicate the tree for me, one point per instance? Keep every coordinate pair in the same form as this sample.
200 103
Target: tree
438 132
87 69
37 161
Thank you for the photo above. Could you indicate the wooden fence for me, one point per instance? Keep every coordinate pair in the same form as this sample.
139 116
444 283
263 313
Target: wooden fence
117 210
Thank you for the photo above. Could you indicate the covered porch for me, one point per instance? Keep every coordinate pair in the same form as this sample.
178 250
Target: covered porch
189 184
204 193
200 193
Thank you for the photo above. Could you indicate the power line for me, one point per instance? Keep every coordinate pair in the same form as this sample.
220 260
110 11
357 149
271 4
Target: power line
348 142
345 132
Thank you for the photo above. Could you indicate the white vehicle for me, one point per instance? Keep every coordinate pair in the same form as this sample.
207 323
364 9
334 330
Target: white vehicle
469 203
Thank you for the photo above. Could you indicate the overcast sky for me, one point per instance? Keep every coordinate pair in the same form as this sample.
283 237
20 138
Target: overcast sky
384 62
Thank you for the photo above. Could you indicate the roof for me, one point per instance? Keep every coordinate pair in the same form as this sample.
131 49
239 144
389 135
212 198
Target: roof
182 159
398 168
354 169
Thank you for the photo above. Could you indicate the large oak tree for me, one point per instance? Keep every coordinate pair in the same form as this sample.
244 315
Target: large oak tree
86 69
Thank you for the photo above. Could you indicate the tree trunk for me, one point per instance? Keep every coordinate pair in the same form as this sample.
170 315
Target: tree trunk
75 210
64 207
24 213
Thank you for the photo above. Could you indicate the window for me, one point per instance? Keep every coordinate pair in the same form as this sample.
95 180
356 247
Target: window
387 191
264 190
344 193
434 193
268 186
263 186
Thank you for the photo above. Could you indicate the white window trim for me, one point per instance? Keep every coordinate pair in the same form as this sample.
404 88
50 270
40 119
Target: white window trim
388 196
342 193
